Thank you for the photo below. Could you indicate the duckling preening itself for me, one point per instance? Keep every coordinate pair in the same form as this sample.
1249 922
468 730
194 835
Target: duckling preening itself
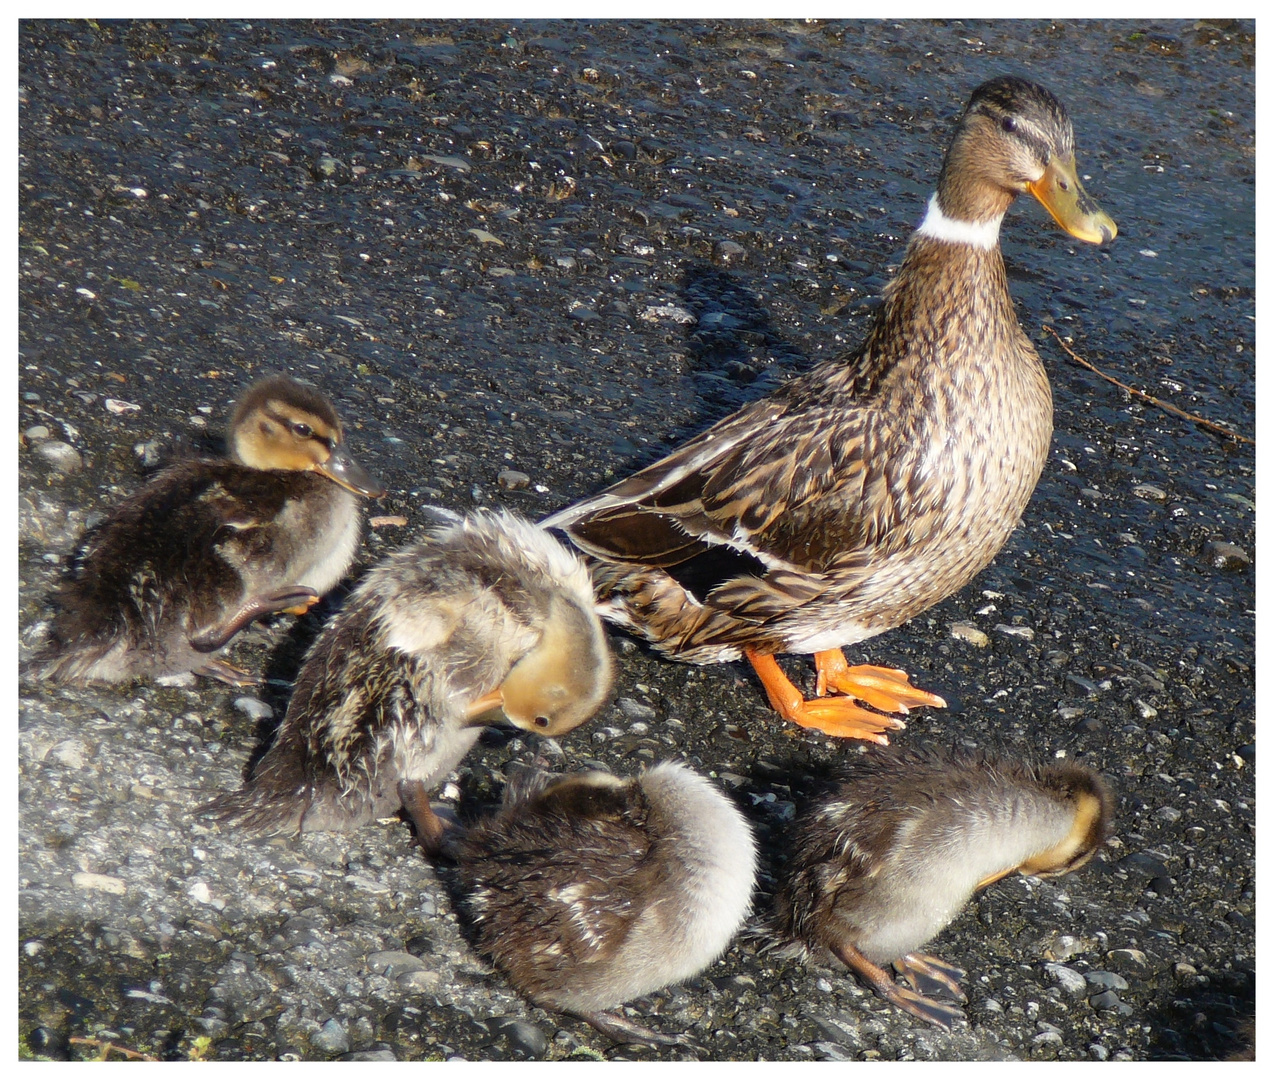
588 891
180 567
486 614
874 485
890 857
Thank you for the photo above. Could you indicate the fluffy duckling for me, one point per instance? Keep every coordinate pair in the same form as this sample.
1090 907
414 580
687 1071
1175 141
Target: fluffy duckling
892 855
180 567
876 484
487 613
588 891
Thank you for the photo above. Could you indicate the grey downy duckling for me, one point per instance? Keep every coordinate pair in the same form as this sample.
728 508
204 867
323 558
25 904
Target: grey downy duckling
890 857
588 891
207 546
486 614
876 484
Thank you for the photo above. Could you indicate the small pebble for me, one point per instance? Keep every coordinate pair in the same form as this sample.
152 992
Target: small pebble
1024 632
38 433
382 1054
63 457
635 710
118 407
1226 556
525 1039
512 480
1149 491
330 1038
1106 980
99 882
966 631
1070 980
253 708
393 962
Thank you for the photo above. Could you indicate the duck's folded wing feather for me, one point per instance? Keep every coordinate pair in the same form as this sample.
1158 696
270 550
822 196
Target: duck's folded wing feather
794 489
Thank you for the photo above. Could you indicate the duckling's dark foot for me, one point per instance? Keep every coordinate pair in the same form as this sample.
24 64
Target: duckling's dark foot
934 1012
226 672
927 974
887 689
431 830
832 716
294 598
629 1032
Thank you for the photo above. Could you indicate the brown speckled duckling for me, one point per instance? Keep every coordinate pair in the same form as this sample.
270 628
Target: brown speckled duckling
890 857
485 613
588 891
179 568
875 485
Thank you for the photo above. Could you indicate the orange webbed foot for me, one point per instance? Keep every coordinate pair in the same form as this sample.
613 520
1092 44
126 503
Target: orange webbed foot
928 975
839 717
887 689
938 1013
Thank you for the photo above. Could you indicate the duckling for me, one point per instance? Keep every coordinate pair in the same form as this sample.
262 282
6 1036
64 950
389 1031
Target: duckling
876 484
890 858
588 891
180 567
487 613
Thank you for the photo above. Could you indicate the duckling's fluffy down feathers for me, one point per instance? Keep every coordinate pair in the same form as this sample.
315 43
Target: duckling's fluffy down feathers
592 890
905 838
385 692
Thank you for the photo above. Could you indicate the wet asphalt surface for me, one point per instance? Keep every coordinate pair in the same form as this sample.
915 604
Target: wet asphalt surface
559 250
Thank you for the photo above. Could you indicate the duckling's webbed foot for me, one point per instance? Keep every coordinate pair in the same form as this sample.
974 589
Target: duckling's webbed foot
887 689
833 716
927 974
226 672
934 1012
629 1032
432 833
293 598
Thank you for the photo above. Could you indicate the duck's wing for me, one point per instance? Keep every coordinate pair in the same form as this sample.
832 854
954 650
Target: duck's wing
792 481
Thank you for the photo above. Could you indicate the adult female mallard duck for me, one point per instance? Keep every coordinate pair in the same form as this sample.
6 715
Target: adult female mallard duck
890 857
873 486
589 890
487 613
179 568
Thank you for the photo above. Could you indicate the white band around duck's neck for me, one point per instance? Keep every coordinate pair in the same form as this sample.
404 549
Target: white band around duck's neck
978 234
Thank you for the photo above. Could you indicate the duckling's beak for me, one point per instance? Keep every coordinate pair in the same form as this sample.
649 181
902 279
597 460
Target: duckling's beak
488 703
347 472
1064 197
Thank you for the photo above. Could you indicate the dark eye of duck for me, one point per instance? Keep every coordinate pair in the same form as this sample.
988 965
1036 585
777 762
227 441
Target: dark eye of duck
1009 124
303 431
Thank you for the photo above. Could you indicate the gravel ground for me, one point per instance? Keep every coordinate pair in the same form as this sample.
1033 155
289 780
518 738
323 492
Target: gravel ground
525 258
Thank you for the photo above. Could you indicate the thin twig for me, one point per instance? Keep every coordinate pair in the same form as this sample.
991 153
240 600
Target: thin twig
107 1047
1220 429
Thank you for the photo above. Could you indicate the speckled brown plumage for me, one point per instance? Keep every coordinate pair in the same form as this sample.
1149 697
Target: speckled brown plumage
874 485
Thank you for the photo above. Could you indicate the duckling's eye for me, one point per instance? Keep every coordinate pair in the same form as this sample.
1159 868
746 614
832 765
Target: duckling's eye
1009 124
303 431
541 722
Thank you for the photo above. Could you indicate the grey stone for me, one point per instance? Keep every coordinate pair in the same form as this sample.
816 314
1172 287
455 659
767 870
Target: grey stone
1107 980
392 963
253 708
1070 980
524 1038
1226 556
330 1038
62 457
